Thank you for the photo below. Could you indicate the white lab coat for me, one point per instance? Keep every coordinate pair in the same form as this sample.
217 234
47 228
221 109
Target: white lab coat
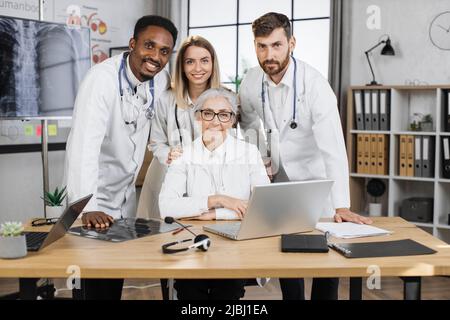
316 148
103 153
189 180
164 135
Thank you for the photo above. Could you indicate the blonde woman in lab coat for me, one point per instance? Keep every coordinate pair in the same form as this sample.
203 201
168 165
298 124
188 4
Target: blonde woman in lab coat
173 127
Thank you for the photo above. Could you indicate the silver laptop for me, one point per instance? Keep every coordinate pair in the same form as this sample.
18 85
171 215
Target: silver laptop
278 208
39 240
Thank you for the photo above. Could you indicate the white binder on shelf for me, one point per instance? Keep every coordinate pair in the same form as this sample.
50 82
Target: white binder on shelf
359 112
367 110
418 156
447 113
427 157
384 110
446 158
375 111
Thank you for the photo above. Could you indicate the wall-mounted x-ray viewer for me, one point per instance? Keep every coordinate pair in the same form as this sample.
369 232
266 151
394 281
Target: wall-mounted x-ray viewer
41 67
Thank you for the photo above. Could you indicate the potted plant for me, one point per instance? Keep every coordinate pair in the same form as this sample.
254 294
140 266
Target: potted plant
416 122
53 202
13 244
427 123
237 80
376 188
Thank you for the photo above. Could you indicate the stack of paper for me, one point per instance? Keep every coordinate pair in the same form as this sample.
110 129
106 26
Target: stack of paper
348 230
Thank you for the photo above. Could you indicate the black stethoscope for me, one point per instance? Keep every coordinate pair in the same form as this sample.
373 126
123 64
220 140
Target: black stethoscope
150 112
178 124
293 123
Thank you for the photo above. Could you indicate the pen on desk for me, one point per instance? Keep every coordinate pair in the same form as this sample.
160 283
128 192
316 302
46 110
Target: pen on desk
346 252
179 230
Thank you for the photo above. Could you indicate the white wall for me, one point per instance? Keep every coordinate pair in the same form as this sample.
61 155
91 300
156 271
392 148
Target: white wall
119 17
21 174
21 183
28 9
407 22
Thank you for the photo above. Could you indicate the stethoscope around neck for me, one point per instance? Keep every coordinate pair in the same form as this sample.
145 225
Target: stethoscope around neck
178 124
293 124
150 111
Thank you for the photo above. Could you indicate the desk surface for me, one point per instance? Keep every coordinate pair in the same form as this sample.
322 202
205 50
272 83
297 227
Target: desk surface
143 258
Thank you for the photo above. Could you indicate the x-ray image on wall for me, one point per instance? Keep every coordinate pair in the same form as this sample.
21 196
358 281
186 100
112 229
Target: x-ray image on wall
41 67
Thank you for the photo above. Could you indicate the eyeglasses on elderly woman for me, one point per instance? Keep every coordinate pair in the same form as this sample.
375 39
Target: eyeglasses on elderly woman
223 116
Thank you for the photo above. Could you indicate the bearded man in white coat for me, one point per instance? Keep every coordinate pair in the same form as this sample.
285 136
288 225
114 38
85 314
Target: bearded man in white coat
298 112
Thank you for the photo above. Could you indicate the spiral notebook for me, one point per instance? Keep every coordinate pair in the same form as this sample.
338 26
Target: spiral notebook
348 230
406 247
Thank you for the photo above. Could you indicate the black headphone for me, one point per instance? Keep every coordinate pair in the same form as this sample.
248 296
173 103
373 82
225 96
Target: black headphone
201 242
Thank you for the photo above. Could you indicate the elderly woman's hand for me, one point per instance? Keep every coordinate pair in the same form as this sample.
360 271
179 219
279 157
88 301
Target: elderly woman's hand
268 164
206 216
237 205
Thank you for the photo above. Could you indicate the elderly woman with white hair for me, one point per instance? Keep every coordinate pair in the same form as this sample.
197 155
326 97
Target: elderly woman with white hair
212 179
214 176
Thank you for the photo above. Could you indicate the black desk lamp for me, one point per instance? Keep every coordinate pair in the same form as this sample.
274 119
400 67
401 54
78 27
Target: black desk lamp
386 51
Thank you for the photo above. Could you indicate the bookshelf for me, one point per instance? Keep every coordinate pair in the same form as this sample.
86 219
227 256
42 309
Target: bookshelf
405 101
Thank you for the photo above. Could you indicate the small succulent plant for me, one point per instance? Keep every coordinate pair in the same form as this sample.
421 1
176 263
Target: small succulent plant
55 198
11 229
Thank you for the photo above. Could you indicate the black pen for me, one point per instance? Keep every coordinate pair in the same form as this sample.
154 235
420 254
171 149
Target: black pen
344 251
180 229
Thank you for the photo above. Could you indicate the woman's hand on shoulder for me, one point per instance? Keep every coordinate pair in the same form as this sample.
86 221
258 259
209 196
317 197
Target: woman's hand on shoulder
174 153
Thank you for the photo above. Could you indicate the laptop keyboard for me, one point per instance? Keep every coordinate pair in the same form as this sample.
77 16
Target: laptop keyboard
35 240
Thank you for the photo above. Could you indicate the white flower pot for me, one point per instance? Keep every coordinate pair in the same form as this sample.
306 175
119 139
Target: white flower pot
13 247
375 209
54 212
427 126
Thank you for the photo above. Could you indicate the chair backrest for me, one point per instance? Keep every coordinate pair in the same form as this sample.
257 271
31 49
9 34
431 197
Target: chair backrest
148 204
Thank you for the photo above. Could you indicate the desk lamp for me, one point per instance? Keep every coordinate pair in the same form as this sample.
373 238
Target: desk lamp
386 51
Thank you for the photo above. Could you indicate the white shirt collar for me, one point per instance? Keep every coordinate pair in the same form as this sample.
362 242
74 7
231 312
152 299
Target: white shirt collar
223 154
189 101
218 153
287 79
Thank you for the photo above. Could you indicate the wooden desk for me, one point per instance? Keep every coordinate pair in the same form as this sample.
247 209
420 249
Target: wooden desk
143 258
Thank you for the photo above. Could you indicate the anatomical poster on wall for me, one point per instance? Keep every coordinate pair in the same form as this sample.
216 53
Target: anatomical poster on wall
102 17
